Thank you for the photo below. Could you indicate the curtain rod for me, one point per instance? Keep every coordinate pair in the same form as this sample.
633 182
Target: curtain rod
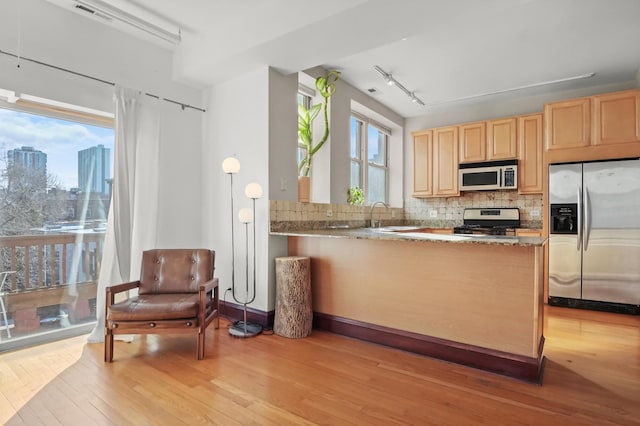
183 106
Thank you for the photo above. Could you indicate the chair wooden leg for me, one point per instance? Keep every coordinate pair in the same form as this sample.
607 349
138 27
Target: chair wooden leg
201 336
108 346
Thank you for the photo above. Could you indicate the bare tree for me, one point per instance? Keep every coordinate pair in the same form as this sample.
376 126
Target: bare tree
28 199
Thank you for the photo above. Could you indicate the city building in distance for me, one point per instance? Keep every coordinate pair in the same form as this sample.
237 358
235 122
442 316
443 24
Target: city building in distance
94 169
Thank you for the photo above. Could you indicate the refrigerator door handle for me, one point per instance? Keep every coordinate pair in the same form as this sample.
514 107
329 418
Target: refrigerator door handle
587 225
579 239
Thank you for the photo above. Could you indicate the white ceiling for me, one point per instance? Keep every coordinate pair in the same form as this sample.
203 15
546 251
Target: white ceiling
442 50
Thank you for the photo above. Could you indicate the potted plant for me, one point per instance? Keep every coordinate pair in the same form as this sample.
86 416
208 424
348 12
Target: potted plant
355 196
326 86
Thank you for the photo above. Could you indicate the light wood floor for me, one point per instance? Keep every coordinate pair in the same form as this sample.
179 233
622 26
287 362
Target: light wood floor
592 377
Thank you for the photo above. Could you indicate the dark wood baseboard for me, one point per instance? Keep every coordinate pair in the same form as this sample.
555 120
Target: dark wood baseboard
517 366
234 312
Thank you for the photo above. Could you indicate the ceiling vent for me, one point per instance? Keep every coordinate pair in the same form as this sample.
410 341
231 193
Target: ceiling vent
133 19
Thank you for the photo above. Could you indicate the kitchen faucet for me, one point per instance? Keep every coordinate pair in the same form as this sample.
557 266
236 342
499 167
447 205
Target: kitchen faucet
373 224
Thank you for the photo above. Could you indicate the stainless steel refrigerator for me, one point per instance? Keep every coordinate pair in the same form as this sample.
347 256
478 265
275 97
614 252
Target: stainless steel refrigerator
594 232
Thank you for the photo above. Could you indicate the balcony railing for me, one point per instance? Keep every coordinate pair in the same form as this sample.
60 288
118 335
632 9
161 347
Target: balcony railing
53 270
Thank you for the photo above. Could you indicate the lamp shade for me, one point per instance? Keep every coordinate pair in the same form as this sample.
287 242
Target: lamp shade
253 190
245 215
231 165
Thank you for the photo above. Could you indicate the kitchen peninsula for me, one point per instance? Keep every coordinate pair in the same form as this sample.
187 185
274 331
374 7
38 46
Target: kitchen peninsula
473 300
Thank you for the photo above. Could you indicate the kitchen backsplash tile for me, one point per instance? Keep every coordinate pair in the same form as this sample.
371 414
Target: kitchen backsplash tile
287 215
449 210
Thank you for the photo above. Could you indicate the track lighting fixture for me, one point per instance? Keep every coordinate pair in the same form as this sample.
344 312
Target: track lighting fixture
393 82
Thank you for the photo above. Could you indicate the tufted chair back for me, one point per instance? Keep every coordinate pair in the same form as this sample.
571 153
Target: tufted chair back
175 270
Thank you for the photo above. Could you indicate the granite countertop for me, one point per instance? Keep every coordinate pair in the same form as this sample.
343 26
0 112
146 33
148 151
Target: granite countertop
404 233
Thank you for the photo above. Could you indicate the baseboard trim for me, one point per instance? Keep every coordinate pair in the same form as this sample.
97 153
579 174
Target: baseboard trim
234 312
517 366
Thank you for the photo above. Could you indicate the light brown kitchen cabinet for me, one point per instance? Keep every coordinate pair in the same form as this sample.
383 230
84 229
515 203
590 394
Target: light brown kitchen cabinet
501 139
423 163
599 127
530 154
473 142
568 124
445 161
616 118
524 232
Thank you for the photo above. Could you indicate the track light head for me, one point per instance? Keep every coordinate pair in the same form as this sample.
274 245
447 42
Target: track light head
393 82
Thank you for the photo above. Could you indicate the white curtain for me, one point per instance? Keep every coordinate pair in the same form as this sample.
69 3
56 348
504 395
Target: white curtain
133 215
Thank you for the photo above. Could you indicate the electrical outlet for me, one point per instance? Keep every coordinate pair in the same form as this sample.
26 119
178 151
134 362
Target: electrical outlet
433 213
283 184
393 214
535 213
329 213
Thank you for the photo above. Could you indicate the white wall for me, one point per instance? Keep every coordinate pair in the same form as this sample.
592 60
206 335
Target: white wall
237 124
53 35
283 167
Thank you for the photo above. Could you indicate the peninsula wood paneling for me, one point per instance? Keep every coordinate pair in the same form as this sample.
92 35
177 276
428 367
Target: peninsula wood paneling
478 294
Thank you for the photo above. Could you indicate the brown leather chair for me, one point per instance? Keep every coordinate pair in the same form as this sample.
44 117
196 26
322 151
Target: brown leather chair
177 293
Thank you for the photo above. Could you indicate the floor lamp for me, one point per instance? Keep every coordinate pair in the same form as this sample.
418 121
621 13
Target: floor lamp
253 191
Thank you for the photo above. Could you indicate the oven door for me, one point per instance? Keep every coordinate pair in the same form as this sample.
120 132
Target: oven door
480 178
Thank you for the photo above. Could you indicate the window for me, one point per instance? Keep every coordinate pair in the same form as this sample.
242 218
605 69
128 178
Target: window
304 100
369 164
55 191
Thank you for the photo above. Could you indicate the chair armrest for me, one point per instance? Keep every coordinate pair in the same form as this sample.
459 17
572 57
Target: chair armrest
119 288
209 285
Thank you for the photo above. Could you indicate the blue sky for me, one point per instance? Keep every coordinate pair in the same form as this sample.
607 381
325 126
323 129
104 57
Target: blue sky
59 139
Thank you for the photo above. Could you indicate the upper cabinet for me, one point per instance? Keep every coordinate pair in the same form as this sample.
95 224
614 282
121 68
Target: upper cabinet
501 138
423 163
435 162
445 161
616 118
568 124
473 142
593 128
530 154
488 140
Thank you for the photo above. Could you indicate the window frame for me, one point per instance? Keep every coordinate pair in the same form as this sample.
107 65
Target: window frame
365 122
306 95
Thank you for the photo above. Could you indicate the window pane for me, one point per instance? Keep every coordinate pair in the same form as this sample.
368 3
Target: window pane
355 174
377 184
356 136
55 187
306 101
377 146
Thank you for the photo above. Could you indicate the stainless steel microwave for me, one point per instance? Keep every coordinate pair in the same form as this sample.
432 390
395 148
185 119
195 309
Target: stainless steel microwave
488 175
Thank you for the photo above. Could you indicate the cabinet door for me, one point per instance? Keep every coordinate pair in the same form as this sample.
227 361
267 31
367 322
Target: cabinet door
422 164
520 232
445 161
530 167
568 124
501 137
473 142
616 118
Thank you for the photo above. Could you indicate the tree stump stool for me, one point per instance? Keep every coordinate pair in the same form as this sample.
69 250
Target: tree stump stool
294 315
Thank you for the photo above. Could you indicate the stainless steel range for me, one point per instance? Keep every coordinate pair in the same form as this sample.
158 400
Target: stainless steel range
489 221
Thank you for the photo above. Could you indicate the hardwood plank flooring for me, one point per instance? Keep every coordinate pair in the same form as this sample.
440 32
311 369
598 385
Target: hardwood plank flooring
592 377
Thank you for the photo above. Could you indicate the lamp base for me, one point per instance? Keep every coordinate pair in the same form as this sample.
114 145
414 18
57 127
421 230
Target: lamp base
242 329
